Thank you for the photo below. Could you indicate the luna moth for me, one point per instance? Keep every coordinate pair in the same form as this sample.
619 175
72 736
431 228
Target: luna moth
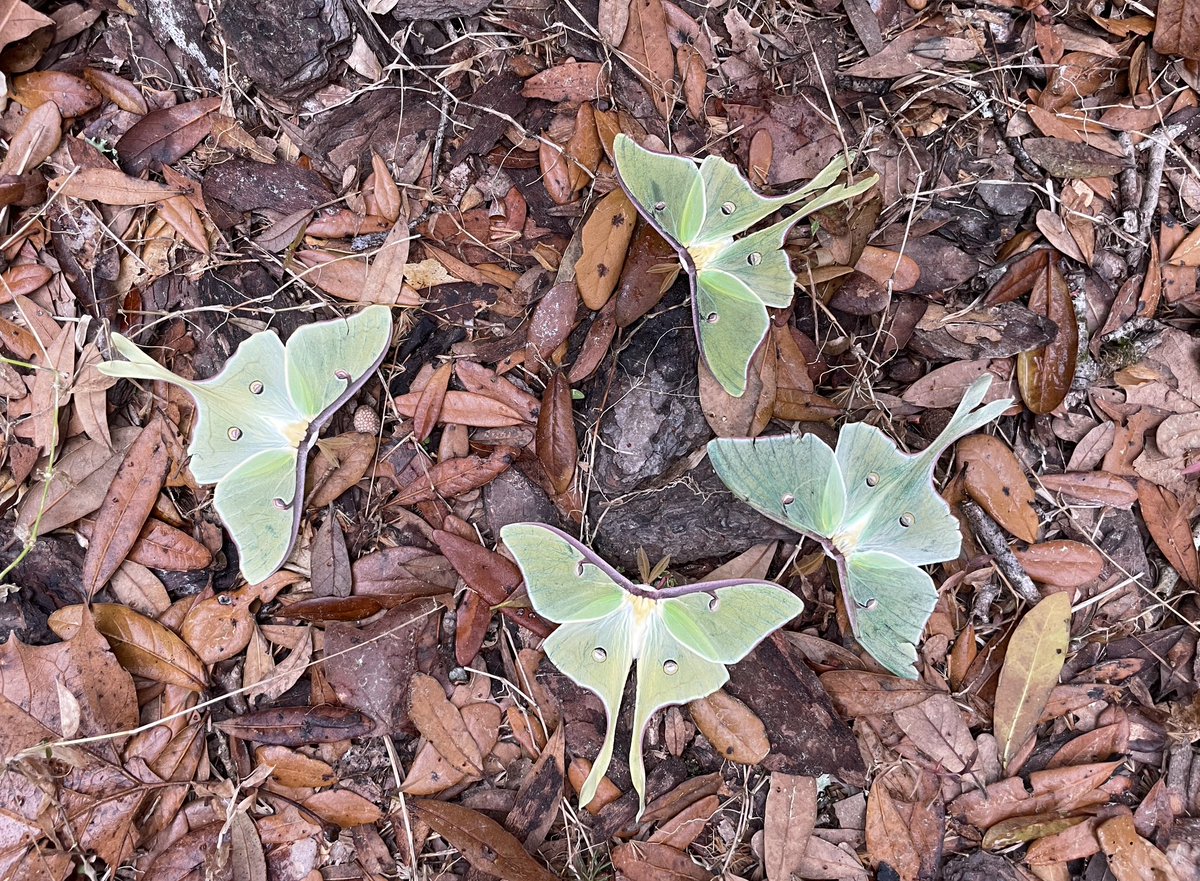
873 509
681 637
258 418
699 210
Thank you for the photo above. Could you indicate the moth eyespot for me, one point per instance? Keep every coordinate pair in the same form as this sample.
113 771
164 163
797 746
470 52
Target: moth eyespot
712 318
872 479
754 258
788 499
599 655
660 206
280 504
728 208
670 668
256 388
714 604
234 433
343 375
579 569
224 599
870 605
907 520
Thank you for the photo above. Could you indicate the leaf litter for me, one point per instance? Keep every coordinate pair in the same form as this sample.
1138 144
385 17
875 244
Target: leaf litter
380 707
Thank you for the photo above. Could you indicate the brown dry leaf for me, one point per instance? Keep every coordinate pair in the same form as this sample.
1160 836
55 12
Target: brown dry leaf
441 723
645 50
606 236
456 476
167 134
331 575
731 727
294 769
553 318
120 91
431 773
341 462
111 187
429 404
905 825
648 861
693 73
144 647
556 172
938 727
385 277
791 813
493 576
944 387
1035 658
39 136
465 408
343 808
1177 32
485 844
297 725
21 21
682 830
613 18
79 485
1168 523
601 332
382 195
995 479
1061 563
51 387
179 212
557 444
347 279
651 267
914 51
1045 375
886 266
126 507
220 626
73 95
574 81
482 381
89 395
1099 487
1131 857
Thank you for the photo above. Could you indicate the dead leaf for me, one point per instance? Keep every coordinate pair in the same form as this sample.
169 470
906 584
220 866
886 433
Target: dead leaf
483 842
1045 375
557 444
111 187
905 825
1061 563
645 49
144 647
647 861
441 723
165 135
1036 654
73 95
1131 857
606 235
995 479
731 727
297 726
1169 527
429 404
126 507
465 408
575 81
1175 33
791 813
39 136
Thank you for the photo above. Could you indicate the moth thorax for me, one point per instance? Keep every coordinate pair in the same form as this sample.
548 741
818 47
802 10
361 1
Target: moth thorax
643 608
846 540
295 432
703 254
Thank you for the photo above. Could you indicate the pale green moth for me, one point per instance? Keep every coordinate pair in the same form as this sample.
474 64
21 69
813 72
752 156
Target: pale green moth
872 508
681 637
257 419
699 210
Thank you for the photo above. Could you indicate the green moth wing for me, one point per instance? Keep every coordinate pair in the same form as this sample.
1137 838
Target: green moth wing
667 190
888 602
668 673
598 656
256 502
324 357
794 480
680 639
700 211
260 415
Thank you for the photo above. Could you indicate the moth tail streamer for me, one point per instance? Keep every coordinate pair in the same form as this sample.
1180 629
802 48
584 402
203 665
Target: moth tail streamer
138 365
966 418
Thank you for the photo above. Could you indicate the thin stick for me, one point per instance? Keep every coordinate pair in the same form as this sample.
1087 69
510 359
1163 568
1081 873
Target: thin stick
992 538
